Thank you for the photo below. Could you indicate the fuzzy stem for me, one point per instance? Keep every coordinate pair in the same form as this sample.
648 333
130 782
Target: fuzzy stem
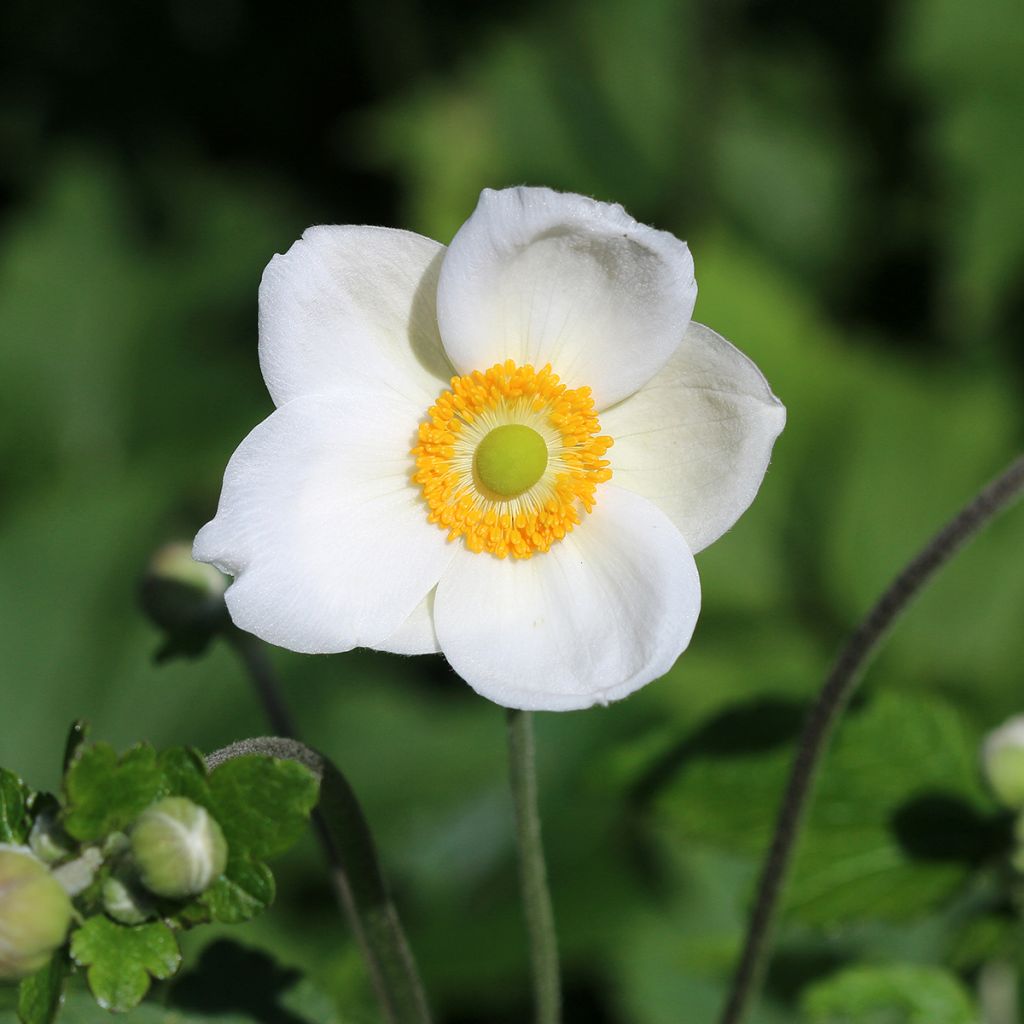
832 700
540 919
348 844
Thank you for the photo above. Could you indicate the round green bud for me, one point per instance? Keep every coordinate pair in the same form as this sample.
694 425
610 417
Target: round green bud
35 913
510 460
125 900
182 595
1003 761
179 849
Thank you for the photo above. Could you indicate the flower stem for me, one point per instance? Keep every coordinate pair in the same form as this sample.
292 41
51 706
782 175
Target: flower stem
261 672
348 844
540 919
832 700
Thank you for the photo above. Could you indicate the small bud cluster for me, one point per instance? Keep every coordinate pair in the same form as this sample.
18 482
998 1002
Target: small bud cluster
175 851
130 851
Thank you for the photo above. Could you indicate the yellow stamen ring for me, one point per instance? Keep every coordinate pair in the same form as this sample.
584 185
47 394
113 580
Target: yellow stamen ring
510 459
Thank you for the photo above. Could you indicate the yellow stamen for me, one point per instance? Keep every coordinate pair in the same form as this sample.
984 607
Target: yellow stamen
482 402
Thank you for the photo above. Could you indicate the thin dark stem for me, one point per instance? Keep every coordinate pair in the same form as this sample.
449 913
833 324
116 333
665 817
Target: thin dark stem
348 846
261 672
540 918
835 695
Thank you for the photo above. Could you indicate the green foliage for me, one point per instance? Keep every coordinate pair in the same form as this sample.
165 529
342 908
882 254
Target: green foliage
262 802
849 180
902 994
122 960
245 890
897 821
106 793
40 996
14 824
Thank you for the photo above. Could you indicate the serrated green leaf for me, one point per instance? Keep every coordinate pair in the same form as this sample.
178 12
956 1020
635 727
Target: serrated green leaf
41 995
184 772
895 823
14 823
262 803
901 994
121 960
245 890
105 794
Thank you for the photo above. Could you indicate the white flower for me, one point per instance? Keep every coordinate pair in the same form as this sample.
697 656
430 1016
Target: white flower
435 476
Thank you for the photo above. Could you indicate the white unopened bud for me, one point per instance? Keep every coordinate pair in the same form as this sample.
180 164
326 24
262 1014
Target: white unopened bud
1003 760
125 900
179 849
35 913
185 599
48 840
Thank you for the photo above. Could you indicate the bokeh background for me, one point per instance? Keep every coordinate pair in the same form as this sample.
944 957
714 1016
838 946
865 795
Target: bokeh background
849 179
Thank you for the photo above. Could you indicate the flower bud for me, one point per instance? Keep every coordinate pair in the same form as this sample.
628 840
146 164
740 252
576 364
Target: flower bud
125 900
1003 761
35 913
184 598
178 848
48 840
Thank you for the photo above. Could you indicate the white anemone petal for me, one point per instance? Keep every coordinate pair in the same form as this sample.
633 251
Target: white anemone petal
416 635
322 527
600 614
350 303
544 277
696 439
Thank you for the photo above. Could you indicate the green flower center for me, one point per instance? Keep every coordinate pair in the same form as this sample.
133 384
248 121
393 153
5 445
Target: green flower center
510 460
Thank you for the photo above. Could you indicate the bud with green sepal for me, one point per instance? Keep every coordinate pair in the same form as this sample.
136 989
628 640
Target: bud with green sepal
178 848
47 839
185 599
35 913
124 898
1003 761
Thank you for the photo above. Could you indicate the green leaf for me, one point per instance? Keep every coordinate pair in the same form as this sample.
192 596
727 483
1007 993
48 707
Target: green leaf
895 823
245 890
262 803
40 996
121 960
901 994
14 823
105 794
184 772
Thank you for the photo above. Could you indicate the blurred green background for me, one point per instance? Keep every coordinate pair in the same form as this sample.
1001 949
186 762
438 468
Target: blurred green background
849 180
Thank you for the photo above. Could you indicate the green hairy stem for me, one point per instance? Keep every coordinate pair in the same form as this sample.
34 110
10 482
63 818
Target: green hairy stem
356 877
840 685
540 919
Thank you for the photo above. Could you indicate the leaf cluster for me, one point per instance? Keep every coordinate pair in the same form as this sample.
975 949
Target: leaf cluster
262 805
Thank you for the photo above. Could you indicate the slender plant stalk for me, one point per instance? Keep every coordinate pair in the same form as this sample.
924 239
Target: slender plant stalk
832 700
348 844
254 656
540 918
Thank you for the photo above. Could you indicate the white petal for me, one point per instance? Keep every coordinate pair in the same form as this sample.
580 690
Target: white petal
697 438
416 635
605 611
353 302
544 277
321 526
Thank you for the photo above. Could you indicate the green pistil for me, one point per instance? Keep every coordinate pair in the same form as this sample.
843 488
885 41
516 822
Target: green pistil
510 460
